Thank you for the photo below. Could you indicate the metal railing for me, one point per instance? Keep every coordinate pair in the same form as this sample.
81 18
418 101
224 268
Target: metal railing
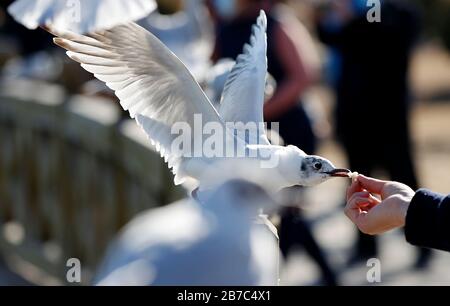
71 175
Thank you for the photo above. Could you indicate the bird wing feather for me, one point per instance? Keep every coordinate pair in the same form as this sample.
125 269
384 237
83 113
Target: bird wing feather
243 96
150 81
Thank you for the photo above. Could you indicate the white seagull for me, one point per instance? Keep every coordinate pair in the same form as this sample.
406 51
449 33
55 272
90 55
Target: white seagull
159 92
79 16
216 243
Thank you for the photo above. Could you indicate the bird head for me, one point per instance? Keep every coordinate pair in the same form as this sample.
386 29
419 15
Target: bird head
301 169
315 170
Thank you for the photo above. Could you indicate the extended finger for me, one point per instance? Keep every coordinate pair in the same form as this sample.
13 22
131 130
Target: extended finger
354 187
371 184
360 194
352 209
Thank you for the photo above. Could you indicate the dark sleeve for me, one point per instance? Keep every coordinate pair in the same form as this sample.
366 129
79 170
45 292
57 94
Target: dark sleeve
428 221
330 37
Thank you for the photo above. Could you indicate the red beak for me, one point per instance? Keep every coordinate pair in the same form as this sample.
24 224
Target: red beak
340 173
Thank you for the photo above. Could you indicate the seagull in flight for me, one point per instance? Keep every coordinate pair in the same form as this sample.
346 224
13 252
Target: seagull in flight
216 243
79 16
159 92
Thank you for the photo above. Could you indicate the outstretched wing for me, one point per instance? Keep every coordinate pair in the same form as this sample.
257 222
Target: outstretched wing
80 16
150 81
243 95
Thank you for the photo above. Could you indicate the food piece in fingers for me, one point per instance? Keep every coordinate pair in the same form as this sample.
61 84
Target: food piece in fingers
353 176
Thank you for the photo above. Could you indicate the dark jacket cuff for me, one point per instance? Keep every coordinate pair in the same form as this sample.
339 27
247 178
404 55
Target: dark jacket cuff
427 221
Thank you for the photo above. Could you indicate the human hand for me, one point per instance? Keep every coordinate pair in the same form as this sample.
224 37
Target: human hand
372 215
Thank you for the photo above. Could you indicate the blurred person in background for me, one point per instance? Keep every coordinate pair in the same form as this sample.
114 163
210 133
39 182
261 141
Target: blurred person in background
290 61
372 82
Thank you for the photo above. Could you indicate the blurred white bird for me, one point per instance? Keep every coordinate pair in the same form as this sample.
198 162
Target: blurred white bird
216 78
214 243
79 16
157 89
187 33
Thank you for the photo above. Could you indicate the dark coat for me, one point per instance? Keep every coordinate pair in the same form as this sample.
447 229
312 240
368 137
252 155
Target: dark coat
428 221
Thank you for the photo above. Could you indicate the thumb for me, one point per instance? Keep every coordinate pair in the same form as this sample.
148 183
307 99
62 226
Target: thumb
370 184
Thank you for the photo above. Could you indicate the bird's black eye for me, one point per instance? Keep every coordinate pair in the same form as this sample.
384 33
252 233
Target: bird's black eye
318 166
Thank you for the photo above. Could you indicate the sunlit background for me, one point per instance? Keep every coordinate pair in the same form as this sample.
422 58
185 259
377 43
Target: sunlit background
68 184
